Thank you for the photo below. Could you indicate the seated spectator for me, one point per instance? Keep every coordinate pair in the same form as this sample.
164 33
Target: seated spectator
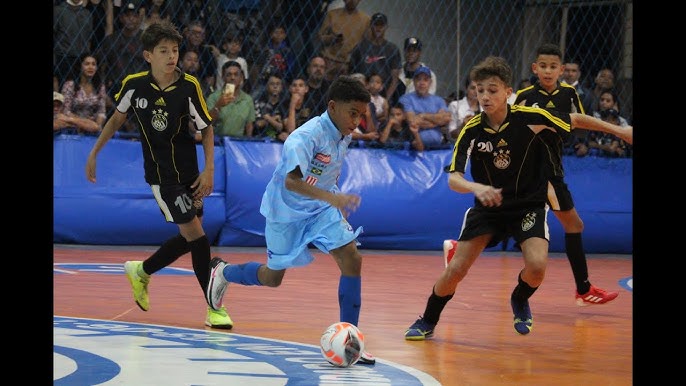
190 64
232 109
299 111
317 84
397 131
230 50
379 102
604 144
85 97
366 131
425 111
194 39
463 110
572 75
60 120
271 112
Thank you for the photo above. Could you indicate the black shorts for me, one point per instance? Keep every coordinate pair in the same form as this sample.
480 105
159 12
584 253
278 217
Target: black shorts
176 203
520 224
559 196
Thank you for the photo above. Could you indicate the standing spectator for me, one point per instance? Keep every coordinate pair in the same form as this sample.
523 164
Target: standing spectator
572 76
397 131
230 51
85 97
122 52
425 111
461 111
72 30
341 30
276 56
413 53
604 80
501 148
103 20
194 40
233 110
271 111
303 204
317 84
376 55
169 160
190 63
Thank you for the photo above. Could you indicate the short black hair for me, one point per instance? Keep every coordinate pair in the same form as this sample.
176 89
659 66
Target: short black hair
158 31
345 88
549 49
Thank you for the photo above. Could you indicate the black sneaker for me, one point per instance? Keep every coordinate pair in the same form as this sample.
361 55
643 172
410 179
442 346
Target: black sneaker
523 321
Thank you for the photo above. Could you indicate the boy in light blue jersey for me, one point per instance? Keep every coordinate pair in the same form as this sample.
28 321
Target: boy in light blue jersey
303 204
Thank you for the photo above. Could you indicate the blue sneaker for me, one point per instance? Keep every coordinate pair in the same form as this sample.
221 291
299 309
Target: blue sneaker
420 330
523 321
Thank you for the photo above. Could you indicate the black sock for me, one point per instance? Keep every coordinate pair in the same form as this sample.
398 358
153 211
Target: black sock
200 253
434 307
166 254
577 259
523 290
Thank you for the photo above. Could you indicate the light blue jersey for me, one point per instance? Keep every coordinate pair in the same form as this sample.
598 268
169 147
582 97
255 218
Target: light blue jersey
318 148
293 221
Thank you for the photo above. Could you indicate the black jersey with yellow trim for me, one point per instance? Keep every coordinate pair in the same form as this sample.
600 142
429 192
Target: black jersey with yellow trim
169 149
563 99
510 156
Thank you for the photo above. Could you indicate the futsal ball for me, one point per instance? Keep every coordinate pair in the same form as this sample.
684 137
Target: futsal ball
342 344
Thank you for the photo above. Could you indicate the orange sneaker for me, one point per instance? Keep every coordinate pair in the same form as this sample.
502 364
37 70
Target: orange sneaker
595 295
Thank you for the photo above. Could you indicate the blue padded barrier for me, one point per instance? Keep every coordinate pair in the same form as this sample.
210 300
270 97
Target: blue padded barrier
406 202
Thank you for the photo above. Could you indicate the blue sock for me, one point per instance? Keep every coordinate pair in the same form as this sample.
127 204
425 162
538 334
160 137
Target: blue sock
350 298
245 274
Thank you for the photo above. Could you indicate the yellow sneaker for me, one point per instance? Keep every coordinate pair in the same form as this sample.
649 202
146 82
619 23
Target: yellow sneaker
218 318
138 284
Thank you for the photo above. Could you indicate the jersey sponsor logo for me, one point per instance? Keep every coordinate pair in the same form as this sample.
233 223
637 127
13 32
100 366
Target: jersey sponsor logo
324 158
159 120
93 352
373 59
528 221
501 159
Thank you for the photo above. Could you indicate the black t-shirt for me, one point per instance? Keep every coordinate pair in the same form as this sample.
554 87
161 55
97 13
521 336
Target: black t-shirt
510 157
169 150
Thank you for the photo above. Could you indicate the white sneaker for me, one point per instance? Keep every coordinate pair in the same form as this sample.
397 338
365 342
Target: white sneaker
448 250
217 284
366 358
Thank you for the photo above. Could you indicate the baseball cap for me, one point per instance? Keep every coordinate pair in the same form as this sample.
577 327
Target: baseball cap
130 6
379 18
57 96
422 70
413 42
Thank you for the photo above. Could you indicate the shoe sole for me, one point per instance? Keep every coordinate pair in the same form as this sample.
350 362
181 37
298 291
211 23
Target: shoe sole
126 269
219 326
213 277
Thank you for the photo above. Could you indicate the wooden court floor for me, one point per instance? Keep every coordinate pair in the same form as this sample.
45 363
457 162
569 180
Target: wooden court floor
474 343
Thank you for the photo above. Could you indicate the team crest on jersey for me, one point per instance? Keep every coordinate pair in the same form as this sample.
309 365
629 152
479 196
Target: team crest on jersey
159 120
501 159
528 221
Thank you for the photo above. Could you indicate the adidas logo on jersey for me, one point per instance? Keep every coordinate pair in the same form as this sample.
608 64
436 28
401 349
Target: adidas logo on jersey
501 143
160 102
550 105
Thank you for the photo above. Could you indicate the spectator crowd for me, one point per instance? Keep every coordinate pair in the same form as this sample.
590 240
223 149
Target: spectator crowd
263 80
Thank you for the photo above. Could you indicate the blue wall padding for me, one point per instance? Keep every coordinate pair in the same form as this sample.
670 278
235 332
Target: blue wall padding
406 202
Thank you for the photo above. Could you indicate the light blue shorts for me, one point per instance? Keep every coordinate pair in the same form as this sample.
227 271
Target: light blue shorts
287 243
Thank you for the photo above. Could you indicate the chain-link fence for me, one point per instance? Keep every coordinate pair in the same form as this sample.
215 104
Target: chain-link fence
455 34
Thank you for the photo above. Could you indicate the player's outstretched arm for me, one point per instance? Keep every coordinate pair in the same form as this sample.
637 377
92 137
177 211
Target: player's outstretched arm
592 123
